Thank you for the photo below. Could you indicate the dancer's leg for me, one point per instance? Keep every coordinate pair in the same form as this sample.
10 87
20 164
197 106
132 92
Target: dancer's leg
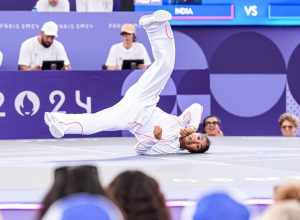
154 79
113 118
144 93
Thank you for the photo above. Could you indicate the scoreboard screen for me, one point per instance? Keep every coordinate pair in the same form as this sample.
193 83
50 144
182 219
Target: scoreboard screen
226 12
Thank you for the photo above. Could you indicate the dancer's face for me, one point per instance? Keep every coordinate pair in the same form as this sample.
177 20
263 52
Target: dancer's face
194 142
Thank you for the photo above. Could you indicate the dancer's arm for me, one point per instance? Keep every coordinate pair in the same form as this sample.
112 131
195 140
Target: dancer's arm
192 117
144 146
187 131
154 146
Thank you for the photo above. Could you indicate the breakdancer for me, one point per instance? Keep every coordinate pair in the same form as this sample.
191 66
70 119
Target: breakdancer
157 131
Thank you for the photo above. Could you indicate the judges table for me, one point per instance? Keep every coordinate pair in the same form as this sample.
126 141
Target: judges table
25 96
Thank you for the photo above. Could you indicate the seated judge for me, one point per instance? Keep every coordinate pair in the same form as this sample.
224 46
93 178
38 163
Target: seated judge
43 47
53 6
94 5
128 49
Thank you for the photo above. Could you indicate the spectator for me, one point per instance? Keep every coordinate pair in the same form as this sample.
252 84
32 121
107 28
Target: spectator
83 206
127 49
1 58
287 191
139 196
283 210
212 126
70 180
94 5
286 203
288 124
43 47
218 206
53 6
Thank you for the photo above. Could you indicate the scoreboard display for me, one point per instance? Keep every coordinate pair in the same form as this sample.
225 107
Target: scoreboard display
226 12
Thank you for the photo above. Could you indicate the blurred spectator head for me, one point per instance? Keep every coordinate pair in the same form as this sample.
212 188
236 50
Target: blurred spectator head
218 206
289 124
212 125
83 206
287 191
139 196
128 33
284 210
70 180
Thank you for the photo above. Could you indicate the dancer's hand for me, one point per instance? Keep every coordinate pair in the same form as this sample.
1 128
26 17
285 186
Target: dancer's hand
187 131
157 132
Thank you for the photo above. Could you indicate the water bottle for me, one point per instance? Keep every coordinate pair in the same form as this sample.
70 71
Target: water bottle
34 9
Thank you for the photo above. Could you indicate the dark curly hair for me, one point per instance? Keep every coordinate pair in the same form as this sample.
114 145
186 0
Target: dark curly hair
69 180
139 196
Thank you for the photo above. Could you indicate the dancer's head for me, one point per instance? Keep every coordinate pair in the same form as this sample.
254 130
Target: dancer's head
195 143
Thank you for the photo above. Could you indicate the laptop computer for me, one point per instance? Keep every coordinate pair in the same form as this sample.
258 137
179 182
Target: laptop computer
131 64
52 65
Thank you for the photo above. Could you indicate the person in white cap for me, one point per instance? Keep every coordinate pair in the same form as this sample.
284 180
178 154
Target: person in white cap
156 131
43 47
94 5
128 49
53 6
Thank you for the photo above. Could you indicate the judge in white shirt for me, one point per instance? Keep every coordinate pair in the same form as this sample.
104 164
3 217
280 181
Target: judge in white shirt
53 6
94 5
128 49
43 47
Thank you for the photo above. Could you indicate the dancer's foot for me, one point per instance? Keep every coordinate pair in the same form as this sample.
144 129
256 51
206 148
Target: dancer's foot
54 125
157 17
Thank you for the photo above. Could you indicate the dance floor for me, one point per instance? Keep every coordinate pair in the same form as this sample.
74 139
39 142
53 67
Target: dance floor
252 165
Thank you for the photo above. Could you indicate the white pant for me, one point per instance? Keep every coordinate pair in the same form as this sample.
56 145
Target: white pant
140 99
